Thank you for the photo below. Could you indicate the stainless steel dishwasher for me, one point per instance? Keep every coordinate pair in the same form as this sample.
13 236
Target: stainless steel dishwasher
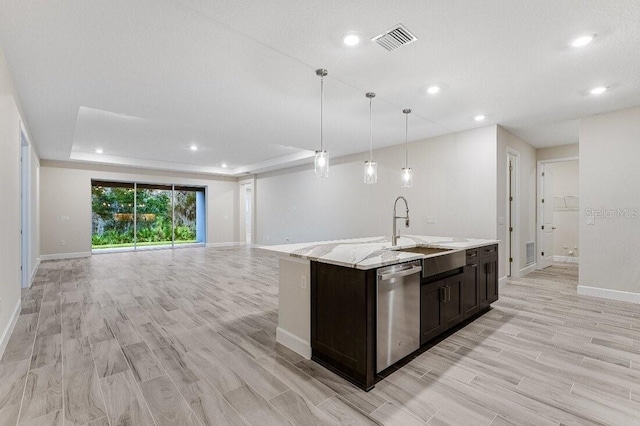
398 324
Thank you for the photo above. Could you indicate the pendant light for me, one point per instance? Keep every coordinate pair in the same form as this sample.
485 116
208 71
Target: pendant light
370 167
407 173
321 160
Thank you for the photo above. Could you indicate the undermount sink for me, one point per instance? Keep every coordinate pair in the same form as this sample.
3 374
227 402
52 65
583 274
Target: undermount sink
438 260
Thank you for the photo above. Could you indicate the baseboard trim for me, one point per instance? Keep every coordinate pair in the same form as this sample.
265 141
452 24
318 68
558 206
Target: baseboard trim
605 293
566 259
227 244
60 256
4 340
528 269
34 272
293 342
502 281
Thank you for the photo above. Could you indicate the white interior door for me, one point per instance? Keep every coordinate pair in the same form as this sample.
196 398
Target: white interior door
25 195
248 197
511 245
547 216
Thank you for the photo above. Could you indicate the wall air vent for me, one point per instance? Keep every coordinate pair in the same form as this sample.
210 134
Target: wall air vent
394 38
531 255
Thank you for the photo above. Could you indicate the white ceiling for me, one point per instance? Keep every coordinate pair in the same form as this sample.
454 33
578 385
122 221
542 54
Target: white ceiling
145 79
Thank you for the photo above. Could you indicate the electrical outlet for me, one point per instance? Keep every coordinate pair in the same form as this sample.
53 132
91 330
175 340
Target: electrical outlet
63 243
303 282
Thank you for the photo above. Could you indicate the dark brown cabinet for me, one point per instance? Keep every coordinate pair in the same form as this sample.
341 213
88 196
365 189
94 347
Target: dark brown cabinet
452 309
440 306
484 262
470 289
343 318
343 310
431 318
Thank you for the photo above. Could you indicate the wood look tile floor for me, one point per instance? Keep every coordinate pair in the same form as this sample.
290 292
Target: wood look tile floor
187 337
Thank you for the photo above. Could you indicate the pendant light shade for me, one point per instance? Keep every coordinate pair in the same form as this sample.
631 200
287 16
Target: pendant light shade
407 173
370 167
321 161
322 164
370 172
407 177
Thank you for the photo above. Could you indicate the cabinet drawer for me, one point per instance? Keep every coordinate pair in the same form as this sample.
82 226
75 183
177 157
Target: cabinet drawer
488 250
472 255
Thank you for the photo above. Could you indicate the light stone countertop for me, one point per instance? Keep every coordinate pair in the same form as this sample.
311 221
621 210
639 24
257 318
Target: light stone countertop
374 252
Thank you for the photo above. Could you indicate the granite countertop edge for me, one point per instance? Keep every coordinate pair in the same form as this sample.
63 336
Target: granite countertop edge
373 252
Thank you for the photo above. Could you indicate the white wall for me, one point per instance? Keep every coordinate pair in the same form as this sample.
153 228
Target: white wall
66 192
454 184
31 163
565 183
610 179
525 200
560 151
10 206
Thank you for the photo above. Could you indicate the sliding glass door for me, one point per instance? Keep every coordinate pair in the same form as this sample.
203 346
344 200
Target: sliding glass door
154 216
189 215
134 216
112 212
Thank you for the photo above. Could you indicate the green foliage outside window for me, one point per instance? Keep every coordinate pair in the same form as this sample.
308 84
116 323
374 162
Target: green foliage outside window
113 217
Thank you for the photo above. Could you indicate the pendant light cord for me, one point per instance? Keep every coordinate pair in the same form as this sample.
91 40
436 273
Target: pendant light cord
321 112
370 132
406 141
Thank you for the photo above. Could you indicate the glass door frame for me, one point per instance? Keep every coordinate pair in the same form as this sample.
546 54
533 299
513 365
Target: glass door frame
135 246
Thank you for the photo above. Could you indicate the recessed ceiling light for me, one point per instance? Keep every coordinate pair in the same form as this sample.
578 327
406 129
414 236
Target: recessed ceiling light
99 151
351 39
432 90
193 148
582 41
224 165
598 90
479 117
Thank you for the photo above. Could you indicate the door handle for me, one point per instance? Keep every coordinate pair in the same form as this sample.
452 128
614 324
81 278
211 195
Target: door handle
400 273
488 267
553 227
443 294
448 294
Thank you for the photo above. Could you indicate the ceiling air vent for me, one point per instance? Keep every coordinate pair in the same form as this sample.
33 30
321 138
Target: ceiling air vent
395 37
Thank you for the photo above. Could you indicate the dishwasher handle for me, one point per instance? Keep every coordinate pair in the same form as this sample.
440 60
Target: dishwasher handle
400 273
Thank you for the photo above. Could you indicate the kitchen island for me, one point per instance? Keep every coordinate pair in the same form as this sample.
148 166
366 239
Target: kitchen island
329 297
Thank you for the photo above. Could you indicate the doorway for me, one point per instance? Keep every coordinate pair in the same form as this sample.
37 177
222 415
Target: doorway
25 210
513 199
558 211
248 214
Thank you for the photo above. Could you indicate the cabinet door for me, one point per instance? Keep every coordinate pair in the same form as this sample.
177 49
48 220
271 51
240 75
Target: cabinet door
432 297
452 310
482 283
470 293
492 279
343 304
